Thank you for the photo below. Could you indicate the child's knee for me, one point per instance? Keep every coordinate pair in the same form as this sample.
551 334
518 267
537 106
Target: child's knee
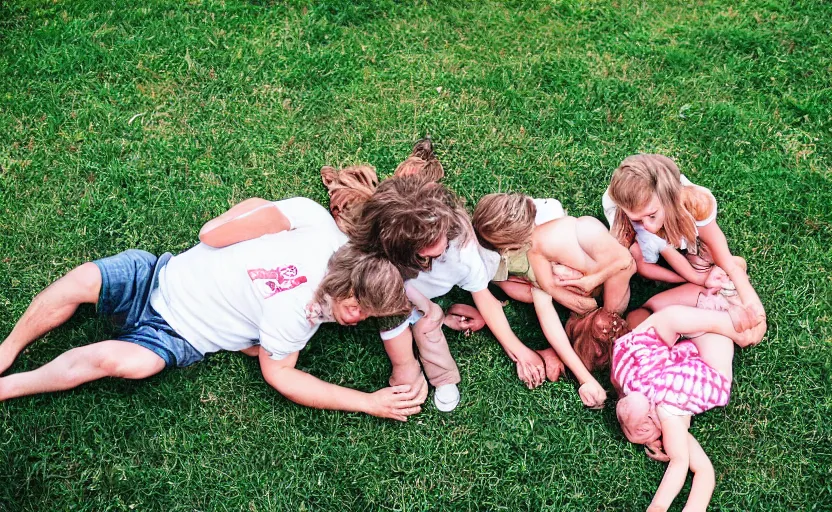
86 281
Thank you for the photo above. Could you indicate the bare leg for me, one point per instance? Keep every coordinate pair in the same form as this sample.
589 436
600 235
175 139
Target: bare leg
685 295
717 351
520 291
51 308
111 358
406 368
617 290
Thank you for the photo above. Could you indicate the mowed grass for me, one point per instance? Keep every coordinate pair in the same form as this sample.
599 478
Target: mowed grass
130 124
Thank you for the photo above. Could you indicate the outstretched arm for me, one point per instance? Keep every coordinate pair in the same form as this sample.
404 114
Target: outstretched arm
712 235
675 441
653 271
530 366
396 402
704 479
682 266
591 392
247 220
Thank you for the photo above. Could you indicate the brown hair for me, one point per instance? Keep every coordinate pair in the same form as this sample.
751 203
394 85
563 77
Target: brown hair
407 215
593 334
636 180
503 221
348 189
423 161
375 283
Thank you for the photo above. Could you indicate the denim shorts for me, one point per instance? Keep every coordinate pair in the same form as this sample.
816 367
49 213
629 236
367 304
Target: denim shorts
127 280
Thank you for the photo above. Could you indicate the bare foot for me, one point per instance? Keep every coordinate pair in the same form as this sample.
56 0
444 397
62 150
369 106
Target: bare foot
554 366
464 318
7 357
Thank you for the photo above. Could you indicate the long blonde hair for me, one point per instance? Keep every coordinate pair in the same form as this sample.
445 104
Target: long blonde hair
635 182
503 221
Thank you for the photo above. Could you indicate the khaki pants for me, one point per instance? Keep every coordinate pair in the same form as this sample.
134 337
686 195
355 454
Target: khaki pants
437 361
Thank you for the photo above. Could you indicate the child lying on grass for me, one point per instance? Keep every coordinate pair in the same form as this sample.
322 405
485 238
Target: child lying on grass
662 382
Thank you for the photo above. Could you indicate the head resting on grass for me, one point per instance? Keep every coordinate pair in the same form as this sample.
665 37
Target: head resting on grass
648 190
359 285
593 334
638 419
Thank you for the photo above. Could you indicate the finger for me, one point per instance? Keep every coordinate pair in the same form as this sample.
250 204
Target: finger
398 417
410 411
401 388
406 404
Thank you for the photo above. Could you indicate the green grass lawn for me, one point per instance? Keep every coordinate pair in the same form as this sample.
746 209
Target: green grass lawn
129 124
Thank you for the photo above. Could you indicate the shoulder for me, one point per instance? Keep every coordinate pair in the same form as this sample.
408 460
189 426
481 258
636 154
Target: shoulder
700 202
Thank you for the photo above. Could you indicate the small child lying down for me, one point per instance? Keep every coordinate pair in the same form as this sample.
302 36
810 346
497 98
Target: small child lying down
662 382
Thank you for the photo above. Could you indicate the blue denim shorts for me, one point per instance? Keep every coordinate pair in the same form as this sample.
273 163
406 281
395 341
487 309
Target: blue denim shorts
127 280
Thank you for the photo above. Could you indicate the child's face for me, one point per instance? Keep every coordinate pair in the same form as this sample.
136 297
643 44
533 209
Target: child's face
348 311
436 250
638 419
651 216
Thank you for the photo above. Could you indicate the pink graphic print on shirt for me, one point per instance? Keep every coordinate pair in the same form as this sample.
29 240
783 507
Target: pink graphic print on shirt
272 282
674 376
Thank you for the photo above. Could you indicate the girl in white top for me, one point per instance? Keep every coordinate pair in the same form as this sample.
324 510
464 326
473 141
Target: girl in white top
655 211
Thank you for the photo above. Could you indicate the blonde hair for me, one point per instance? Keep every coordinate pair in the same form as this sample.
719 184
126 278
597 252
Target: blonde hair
503 221
635 182
375 283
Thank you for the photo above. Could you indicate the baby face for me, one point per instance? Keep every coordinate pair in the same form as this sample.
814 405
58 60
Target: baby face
638 419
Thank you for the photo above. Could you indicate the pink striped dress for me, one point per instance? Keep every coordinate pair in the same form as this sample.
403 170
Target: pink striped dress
672 376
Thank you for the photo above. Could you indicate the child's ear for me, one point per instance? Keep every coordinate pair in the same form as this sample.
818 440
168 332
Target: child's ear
329 175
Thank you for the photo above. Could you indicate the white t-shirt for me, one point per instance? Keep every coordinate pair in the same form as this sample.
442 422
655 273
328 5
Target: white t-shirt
229 298
547 209
465 266
652 245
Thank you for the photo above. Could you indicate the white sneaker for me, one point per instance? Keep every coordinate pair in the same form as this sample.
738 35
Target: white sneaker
446 397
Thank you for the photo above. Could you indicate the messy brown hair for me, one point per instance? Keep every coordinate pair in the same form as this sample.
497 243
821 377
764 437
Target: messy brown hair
504 221
632 187
422 161
407 215
593 334
349 188
375 283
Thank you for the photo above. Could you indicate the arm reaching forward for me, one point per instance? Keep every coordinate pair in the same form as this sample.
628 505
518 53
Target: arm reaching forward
396 402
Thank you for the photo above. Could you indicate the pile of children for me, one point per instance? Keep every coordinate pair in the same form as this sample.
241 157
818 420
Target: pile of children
669 359
266 275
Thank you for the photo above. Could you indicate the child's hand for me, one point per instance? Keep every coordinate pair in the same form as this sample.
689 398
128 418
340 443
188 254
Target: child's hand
592 394
747 317
578 304
583 285
655 451
530 368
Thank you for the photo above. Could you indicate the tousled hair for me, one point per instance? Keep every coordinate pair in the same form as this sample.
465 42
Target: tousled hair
593 335
407 215
503 221
633 185
375 283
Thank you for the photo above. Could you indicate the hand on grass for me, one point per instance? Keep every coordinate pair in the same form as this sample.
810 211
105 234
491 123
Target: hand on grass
530 368
592 394
397 402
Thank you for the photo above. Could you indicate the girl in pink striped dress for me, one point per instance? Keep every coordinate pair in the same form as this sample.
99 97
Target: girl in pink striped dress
663 382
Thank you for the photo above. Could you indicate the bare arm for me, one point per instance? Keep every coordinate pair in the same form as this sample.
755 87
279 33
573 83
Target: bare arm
530 365
704 479
675 441
609 256
591 392
682 266
247 220
712 235
542 268
653 271
396 403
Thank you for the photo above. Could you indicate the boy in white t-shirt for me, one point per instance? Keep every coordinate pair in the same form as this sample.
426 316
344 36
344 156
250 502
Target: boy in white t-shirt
422 227
263 280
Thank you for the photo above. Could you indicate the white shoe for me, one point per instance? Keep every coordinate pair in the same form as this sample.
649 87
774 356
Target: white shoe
446 397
